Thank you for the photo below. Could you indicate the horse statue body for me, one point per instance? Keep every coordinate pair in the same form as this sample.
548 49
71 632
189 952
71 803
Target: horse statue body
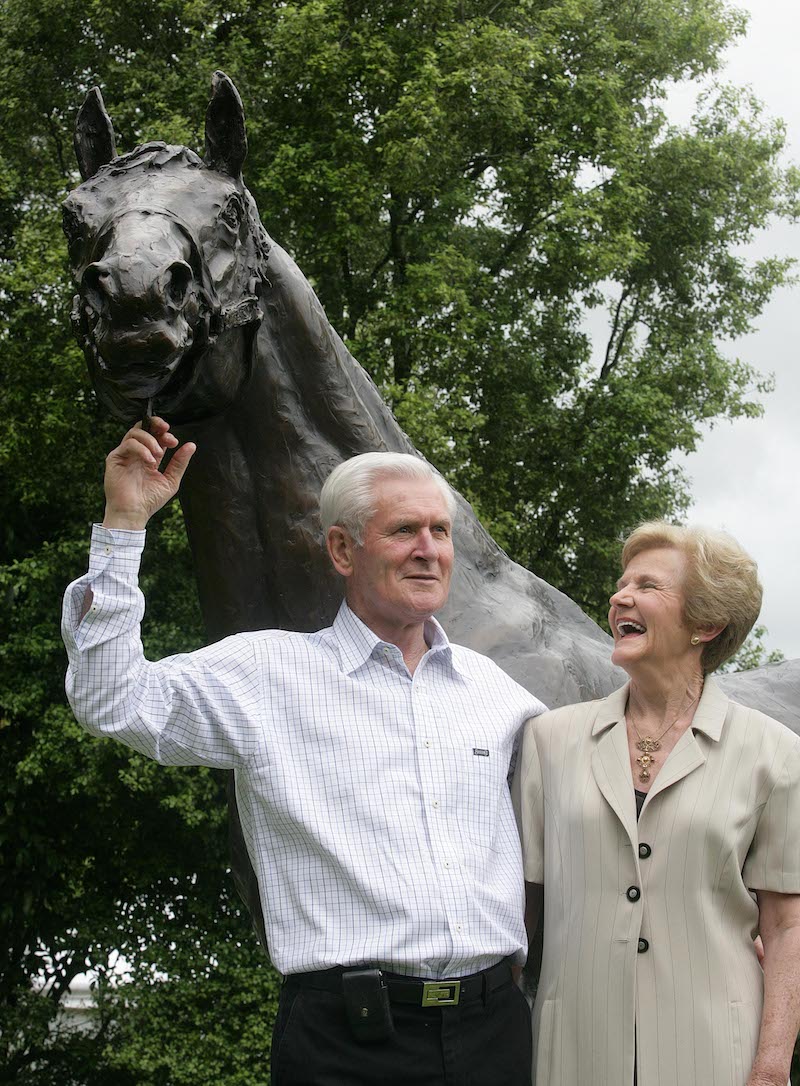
187 308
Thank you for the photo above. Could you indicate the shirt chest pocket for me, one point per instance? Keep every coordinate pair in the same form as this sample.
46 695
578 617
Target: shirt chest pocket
478 779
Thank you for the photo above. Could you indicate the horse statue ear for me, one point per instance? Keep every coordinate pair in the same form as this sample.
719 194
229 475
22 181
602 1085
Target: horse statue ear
226 139
94 135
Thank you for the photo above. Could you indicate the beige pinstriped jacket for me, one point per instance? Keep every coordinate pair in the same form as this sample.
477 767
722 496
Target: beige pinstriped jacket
649 926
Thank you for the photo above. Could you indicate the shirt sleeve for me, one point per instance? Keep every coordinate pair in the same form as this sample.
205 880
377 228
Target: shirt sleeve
199 708
773 860
528 796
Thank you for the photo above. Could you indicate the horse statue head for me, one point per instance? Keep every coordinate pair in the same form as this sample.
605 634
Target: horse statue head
169 273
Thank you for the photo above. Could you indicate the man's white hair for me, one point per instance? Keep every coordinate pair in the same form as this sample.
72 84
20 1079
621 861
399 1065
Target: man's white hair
348 495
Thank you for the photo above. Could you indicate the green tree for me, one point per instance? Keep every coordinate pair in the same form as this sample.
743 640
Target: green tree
461 182
754 653
210 983
512 172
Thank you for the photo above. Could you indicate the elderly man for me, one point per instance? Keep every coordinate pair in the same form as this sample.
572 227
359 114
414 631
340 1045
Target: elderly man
371 764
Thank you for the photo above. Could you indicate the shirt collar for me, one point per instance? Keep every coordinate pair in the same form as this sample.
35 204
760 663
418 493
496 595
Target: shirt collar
709 716
357 642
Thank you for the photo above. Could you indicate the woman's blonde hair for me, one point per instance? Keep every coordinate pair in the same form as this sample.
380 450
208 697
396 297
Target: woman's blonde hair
721 587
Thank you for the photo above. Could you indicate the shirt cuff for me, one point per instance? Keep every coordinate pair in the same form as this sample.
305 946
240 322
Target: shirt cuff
121 546
114 557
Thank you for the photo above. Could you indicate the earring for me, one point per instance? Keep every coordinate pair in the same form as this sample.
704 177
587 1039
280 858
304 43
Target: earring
695 639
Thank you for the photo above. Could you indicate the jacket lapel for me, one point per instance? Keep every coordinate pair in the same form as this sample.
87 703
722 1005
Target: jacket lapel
611 765
685 756
610 760
689 753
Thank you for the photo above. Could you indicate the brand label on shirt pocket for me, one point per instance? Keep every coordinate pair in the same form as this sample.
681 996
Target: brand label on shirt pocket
477 778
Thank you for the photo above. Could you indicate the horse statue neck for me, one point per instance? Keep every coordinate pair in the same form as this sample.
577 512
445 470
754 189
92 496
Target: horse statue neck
251 496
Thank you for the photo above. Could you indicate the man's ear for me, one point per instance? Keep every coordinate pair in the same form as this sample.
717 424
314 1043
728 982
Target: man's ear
340 548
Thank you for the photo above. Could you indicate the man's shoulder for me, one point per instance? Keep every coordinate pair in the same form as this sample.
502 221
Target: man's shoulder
310 640
483 668
470 658
578 715
475 663
276 642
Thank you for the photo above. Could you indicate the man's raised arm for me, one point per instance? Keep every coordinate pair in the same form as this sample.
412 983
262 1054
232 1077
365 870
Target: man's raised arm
195 708
135 487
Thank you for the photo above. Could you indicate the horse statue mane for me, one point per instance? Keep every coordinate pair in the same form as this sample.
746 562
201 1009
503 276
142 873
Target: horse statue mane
187 308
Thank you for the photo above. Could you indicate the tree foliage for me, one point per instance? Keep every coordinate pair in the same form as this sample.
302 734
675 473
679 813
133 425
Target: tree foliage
462 182
753 653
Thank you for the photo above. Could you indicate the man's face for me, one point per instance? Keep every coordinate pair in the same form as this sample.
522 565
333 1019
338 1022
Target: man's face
401 573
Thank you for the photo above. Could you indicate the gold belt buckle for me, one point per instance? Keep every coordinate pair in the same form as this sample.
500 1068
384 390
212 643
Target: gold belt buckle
441 993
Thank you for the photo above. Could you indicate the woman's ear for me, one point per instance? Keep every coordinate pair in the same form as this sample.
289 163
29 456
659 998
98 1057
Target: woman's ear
703 634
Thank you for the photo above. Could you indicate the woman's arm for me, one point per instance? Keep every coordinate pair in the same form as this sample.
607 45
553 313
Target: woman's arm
779 926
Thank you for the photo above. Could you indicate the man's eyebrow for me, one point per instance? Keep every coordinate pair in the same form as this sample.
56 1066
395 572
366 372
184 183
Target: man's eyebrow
414 519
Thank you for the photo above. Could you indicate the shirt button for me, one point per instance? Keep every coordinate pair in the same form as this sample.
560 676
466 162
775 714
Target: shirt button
436 803
446 863
643 946
633 893
108 549
427 742
644 851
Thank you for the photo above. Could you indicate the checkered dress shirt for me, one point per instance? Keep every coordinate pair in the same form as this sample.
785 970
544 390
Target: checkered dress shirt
374 803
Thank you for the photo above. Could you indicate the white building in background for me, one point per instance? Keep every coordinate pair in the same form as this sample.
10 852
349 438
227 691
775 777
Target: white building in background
77 1009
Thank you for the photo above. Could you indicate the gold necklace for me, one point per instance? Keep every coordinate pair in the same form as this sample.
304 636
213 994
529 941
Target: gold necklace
647 744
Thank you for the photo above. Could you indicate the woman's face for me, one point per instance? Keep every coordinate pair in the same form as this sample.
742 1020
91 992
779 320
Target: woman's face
646 614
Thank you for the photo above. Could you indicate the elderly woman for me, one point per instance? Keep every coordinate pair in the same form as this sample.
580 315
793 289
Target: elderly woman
664 825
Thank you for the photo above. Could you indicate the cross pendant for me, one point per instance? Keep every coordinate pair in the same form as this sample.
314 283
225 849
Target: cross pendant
645 761
648 745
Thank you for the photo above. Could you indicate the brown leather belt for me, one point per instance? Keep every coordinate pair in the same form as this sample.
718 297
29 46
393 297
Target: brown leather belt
415 990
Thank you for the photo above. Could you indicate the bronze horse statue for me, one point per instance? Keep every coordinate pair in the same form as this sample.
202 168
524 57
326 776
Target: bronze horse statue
187 308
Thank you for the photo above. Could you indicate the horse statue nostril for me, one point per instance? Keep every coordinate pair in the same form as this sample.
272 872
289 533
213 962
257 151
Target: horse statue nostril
97 285
178 282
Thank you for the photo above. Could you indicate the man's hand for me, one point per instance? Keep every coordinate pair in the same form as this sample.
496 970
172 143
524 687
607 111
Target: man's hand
135 488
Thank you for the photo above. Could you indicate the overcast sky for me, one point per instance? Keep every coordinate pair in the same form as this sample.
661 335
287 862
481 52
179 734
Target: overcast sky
746 475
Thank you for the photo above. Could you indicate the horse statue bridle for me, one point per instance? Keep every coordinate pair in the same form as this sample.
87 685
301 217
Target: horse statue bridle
215 318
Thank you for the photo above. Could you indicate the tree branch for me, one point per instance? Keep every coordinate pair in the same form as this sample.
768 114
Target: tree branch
619 333
56 135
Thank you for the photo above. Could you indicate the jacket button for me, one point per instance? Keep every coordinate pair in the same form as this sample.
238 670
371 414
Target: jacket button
644 946
644 851
633 893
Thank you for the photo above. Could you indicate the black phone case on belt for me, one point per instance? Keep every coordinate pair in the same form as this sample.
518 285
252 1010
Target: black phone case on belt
366 1000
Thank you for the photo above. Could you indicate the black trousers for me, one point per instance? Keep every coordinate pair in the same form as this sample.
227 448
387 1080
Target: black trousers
486 1042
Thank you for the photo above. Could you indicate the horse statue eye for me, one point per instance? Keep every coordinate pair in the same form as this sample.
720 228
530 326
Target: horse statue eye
72 225
233 213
